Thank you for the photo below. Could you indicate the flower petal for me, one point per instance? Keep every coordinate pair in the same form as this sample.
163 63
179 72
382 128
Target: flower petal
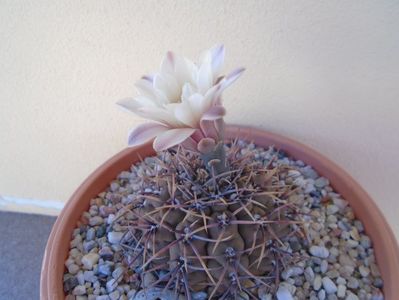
144 133
158 114
184 114
171 138
229 79
168 63
205 78
129 104
214 113
217 53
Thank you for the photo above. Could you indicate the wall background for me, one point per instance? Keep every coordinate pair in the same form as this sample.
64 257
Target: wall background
323 72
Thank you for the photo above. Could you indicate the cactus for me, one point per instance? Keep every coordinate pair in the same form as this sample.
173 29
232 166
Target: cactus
224 232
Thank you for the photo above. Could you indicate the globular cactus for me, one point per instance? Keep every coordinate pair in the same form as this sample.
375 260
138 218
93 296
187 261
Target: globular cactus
224 232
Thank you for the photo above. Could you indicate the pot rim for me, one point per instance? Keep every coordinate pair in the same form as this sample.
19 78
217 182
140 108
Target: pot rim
376 226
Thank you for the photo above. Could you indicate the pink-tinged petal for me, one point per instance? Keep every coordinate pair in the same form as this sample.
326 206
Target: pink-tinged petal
208 129
168 63
172 138
190 144
217 53
144 133
214 113
207 123
229 79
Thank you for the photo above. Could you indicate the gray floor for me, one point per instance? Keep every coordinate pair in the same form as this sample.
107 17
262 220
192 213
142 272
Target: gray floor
22 241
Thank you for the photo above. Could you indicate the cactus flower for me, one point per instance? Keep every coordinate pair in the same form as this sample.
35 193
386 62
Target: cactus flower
182 101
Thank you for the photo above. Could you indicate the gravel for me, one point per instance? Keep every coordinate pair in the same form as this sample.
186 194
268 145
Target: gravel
338 259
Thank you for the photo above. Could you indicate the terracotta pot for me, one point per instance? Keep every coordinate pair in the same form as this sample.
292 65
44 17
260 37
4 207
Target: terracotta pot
386 248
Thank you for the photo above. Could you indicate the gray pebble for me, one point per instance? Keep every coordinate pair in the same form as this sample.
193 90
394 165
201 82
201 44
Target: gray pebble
329 286
79 290
97 220
283 293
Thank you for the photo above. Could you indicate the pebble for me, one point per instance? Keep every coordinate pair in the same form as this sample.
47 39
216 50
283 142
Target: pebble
283 293
106 253
329 286
341 291
319 251
199 296
89 260
89 276
309 274
90 234
105 269
97 220
79 290
353 283
293 271
351 296
321 182
321 294
73 269
111 285
324 266
364 271
114 237
317 283
114 295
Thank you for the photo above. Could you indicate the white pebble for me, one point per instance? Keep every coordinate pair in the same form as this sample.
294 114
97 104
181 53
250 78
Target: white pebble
79 290
283 293
89 260
114 237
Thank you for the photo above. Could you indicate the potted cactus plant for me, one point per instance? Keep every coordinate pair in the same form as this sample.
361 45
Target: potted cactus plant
218 212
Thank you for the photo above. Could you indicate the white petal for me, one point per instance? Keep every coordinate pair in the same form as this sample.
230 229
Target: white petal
185 71
197 106
187 91
161 115
184 113
217 54
167 84
129 104
205 78
146 89
172 138
144 133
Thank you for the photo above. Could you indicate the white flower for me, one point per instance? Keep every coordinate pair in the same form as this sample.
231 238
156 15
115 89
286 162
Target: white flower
183 100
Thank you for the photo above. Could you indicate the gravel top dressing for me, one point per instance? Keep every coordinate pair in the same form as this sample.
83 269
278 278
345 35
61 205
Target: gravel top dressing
317 248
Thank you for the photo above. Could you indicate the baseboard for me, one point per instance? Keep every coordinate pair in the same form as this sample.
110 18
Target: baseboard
33 206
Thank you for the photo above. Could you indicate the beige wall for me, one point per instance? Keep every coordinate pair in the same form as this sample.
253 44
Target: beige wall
323 72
